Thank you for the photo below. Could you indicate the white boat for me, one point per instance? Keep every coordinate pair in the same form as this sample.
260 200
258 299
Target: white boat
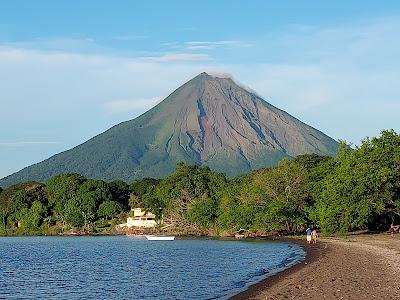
160 238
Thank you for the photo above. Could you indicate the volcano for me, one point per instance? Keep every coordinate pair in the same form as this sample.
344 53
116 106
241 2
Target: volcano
209 120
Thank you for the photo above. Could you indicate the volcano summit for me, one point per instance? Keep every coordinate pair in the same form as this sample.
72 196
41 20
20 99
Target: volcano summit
209 121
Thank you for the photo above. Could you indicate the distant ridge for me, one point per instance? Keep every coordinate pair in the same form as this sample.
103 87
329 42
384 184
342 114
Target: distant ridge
209 120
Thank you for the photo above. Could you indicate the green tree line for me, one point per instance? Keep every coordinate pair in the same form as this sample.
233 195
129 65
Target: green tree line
359 188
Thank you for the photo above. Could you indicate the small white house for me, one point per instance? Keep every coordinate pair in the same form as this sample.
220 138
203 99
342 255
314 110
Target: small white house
140 219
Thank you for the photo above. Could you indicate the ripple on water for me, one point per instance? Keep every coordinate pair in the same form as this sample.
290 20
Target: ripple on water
123 268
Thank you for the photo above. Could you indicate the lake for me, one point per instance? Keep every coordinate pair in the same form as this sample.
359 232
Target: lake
119 267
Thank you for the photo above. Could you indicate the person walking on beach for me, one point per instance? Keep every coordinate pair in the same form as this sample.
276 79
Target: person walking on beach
308 235
314 235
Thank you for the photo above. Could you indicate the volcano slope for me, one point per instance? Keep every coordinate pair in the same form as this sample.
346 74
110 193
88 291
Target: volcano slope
209 121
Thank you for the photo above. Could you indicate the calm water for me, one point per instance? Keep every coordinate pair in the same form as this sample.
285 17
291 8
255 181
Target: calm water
120 267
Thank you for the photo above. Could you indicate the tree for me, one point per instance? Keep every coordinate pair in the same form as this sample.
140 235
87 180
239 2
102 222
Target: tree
363 189
142 186
135 201
99 188
88 207
203 211
110 209
176 193
16 201
90 194
62 188
286 195
120 191
6 205
72 213
239 203
37 212
310 161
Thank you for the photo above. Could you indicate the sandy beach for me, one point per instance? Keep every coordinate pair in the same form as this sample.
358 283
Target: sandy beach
357 267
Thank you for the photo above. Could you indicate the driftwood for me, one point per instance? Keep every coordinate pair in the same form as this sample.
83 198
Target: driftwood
394 229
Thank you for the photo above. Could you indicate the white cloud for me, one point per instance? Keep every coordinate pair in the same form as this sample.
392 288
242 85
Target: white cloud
213 43
208 45
178 57
200 47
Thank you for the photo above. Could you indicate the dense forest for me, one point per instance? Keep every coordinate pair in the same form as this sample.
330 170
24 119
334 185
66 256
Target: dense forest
359 188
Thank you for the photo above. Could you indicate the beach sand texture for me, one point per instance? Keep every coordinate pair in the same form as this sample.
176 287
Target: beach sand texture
358 267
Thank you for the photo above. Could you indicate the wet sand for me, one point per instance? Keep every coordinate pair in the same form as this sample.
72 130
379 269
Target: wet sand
357 267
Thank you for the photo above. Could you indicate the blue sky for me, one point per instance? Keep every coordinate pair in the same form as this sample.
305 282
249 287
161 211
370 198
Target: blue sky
71 69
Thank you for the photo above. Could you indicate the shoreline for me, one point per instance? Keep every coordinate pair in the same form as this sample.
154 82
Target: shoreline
353 267
312 252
